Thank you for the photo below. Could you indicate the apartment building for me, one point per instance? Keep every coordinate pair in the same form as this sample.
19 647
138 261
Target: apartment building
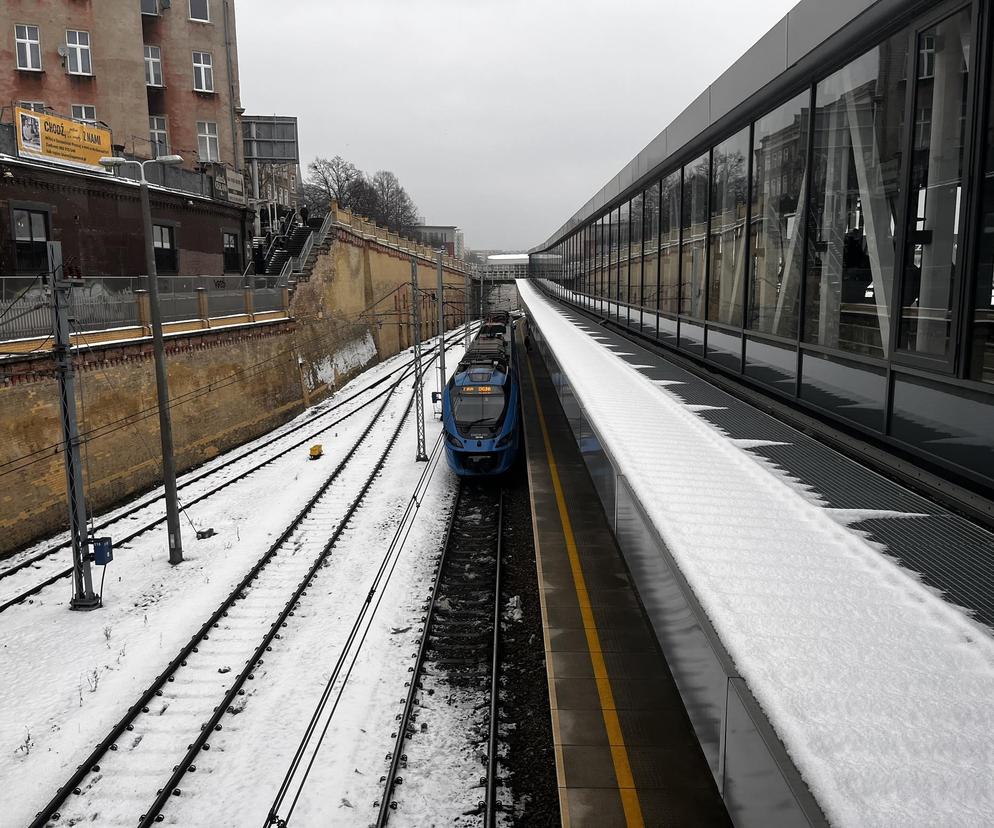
161 74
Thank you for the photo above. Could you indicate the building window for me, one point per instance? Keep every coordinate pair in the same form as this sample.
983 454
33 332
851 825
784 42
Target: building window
34 106
207 144
84 112
164 243
926 57
153 66
78 48
232 258
203 72
200 10
158 136
28 43
30 237
150 7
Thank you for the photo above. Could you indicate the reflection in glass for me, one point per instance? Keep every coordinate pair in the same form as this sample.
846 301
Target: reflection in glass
669 236
650 245
779 156
726 260
982 334
695 228
859 117
624 231
936 186
635 251
612 268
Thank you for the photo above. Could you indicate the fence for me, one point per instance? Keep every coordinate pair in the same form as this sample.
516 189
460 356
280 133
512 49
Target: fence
115 302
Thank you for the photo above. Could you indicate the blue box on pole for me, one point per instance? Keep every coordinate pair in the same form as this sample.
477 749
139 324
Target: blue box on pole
103 551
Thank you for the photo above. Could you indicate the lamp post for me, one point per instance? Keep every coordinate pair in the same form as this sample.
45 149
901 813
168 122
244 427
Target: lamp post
158 350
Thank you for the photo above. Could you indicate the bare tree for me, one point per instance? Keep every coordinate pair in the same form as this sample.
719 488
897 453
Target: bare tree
330 179
380 198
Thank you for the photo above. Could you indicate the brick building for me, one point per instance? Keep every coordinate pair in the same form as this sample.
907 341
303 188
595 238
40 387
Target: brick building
162 74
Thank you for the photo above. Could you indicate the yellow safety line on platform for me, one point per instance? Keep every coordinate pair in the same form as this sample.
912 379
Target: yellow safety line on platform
619 753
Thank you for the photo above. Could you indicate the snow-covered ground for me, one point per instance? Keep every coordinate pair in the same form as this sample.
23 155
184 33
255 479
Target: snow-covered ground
68 677
880 690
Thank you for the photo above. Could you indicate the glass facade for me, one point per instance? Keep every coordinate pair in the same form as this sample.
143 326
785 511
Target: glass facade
834 244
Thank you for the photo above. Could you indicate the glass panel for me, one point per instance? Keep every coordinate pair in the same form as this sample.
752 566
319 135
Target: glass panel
936 186
724 348
22 226
954 424
859 118
982 334
669 235
726 262
38 232
650 244
695 228
612 273
772 364
779 173
624 237
635 252
855 392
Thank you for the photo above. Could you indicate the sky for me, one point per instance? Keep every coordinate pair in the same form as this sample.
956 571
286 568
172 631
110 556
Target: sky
500 116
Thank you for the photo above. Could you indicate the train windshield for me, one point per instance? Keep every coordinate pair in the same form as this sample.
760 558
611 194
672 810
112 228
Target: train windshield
470 407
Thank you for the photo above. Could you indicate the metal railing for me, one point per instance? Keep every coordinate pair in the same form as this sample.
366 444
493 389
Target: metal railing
317 237
108 302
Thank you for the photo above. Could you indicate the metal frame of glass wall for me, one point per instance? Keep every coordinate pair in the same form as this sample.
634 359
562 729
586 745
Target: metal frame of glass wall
833 241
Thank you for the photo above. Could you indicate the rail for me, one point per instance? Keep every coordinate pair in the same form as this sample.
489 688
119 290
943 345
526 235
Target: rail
239 593
129 515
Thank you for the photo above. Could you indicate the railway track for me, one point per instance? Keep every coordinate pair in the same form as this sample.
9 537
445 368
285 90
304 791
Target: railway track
149 512
459 651
137 768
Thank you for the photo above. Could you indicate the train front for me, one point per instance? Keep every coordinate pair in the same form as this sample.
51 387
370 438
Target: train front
481 424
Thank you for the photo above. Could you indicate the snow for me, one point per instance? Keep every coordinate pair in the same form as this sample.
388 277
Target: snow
354 354
880 689
68 677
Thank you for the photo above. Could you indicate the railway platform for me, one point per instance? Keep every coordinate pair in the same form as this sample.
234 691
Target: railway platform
625 750
827 630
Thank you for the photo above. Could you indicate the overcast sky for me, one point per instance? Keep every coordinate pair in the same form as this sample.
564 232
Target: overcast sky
500 116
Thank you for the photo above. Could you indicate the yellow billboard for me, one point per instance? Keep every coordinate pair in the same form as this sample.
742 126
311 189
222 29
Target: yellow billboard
53 138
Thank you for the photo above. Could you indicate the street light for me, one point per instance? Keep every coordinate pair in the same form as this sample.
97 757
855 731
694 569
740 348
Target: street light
158 350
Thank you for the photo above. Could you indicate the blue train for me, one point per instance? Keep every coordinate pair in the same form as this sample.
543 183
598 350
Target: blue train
480 411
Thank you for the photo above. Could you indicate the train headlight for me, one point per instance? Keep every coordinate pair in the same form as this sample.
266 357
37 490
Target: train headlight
452 440
505 440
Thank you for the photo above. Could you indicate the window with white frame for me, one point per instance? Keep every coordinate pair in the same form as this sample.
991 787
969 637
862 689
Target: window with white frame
27 40
84 112
158 135
153 66
78 52
150 7
208 147
203 72
34 106
200 10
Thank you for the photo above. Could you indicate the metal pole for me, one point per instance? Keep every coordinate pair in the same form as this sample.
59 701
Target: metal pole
442 376
419 408
161 385
83 597
466 301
